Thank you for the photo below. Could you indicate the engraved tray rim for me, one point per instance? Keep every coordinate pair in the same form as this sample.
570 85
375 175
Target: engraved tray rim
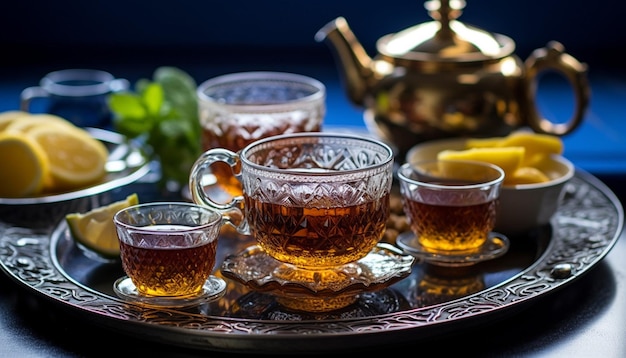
27 260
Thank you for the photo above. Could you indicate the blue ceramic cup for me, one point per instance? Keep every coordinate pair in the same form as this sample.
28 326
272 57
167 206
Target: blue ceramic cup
78 95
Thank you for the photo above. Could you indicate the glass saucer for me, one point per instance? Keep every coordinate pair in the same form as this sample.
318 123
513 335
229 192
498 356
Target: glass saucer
268 306
384 265
213 288
495 246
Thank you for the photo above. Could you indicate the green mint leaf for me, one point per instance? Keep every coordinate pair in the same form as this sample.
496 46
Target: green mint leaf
164 110
178 77
126 105
180 92
153 98
173 145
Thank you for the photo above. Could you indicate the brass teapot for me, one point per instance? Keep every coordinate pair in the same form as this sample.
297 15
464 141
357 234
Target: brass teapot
443 78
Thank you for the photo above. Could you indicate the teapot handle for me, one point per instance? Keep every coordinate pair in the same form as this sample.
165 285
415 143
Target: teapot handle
553 57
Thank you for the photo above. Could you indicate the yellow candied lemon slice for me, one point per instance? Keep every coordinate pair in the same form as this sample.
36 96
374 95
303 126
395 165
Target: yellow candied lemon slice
537 145
484 142
76 159
526 175
26 123
7 117
507 158
95 229
23 165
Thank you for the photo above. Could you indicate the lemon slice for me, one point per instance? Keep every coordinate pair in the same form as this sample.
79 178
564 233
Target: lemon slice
31 121
95 229
23 165
507 158
7 117
76 158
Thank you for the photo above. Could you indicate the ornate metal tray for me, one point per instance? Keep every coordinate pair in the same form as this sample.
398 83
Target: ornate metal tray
426 303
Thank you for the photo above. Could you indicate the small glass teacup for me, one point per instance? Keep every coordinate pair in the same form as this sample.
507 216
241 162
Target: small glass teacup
168 251
451 207
315 201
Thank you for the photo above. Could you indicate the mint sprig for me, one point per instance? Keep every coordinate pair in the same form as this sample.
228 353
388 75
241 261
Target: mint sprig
164 112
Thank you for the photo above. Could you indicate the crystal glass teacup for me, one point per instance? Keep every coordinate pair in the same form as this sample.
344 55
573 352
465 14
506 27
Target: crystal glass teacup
451 206
168 251
239 108
312 200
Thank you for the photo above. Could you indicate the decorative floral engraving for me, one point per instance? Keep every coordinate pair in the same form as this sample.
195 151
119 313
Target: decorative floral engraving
586 227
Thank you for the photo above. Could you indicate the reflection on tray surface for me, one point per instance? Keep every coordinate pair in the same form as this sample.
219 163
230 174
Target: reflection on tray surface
266 306
587 225
425 285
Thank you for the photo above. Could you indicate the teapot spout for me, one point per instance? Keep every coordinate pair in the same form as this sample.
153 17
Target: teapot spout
352 60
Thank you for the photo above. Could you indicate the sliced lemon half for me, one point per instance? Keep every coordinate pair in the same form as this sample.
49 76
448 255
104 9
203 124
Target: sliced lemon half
7 117
23 165
76 158
95 229
31 121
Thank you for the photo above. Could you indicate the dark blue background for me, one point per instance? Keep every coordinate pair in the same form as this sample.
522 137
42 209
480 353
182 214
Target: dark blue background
131 38
37 31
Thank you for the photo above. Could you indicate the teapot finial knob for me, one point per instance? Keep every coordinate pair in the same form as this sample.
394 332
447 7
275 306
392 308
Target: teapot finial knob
444 11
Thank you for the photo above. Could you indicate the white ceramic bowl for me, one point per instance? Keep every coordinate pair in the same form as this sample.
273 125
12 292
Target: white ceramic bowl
522 207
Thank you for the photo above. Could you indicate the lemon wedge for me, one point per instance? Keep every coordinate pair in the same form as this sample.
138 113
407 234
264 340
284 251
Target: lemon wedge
23 165
95 229
75 158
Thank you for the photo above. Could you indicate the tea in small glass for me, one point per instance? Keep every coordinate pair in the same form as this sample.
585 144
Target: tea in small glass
168 249
450 205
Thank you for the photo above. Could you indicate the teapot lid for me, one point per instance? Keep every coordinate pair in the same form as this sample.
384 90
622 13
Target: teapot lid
446 38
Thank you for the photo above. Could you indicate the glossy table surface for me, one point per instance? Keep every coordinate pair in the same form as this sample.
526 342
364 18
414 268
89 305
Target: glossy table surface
583 319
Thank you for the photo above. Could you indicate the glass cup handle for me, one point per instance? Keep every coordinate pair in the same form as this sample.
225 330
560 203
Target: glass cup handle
119 85
28 94
232 211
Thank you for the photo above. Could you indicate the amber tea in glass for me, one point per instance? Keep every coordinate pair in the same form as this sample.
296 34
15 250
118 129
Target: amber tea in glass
313 200
240 108
450 205
317 237
168 249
